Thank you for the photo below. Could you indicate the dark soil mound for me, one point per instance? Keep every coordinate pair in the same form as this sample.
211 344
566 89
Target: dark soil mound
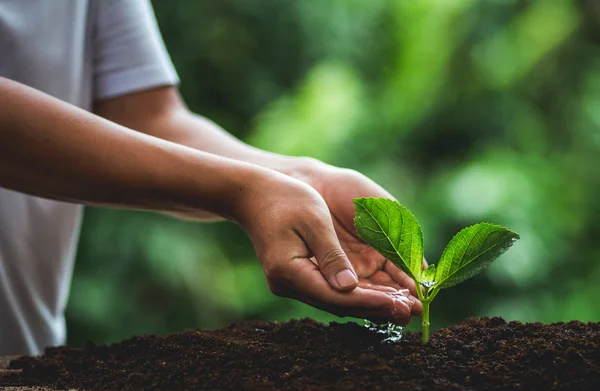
479 354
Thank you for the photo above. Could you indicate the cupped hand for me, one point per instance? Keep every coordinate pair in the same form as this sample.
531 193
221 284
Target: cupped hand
293 234
339 187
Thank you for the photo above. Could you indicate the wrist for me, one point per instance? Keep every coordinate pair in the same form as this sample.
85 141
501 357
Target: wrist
192 181
304 169
267 188
253 185
310 171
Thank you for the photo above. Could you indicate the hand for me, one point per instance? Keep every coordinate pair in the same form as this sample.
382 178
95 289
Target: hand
291 228
339 187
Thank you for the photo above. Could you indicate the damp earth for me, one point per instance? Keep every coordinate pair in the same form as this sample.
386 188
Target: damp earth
478 354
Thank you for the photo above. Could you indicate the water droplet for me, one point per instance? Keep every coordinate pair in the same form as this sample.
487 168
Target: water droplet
392 331
428 284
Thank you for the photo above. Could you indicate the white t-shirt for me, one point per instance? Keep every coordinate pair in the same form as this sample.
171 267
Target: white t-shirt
78 51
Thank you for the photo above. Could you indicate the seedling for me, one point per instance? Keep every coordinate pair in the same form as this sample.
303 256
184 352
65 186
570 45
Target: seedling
394 232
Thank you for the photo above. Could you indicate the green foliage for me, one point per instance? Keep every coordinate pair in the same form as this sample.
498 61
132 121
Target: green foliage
392 229
470 251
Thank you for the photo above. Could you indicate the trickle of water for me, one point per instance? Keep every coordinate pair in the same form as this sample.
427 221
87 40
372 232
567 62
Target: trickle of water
428 284
393 331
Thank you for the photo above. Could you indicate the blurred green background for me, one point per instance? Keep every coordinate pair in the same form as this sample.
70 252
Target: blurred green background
466 111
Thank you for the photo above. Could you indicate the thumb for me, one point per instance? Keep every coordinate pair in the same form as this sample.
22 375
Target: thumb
332 260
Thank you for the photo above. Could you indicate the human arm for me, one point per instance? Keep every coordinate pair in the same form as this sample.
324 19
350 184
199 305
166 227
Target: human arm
54 150
161 112
51 149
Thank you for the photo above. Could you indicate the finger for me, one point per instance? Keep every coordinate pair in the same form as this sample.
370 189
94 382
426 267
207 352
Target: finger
416 306
425 264
400 277
332 260
306 283
388 285
368 284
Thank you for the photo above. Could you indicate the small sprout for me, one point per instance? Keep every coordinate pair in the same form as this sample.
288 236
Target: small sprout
394 232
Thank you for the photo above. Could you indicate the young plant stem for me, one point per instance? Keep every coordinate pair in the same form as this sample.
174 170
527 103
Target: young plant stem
425 320
425 298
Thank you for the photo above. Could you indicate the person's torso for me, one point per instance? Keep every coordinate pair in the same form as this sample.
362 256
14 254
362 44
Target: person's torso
45 44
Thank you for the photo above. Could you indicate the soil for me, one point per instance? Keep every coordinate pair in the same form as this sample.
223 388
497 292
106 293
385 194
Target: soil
478 354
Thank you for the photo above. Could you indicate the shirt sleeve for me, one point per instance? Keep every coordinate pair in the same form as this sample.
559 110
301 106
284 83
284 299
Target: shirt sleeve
128 51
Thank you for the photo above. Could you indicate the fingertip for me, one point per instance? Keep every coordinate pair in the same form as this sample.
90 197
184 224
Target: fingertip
416 306
401 312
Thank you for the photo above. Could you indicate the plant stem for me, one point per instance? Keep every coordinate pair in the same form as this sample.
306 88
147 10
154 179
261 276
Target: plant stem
425 321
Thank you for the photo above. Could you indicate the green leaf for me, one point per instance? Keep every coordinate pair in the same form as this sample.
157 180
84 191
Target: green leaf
393 231
470 251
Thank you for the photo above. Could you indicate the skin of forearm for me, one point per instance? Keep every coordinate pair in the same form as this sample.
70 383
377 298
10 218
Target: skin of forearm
200 133
161 112
55 150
